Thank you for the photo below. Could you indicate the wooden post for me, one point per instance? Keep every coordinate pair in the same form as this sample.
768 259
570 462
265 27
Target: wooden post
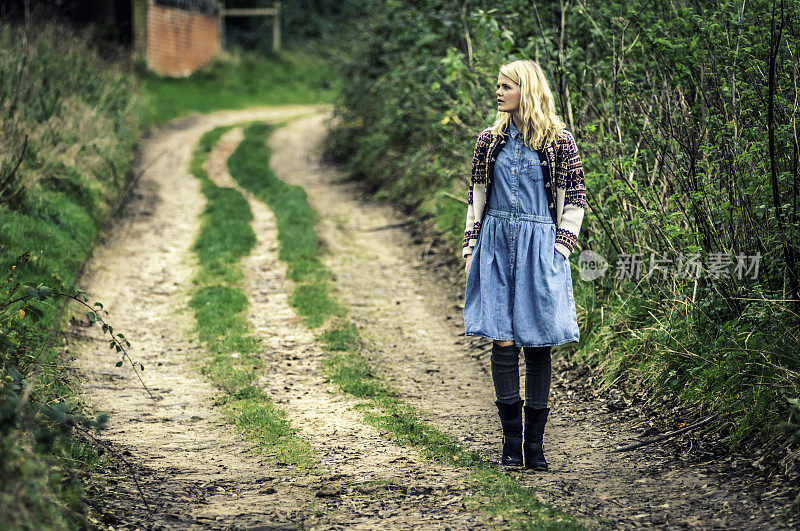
276 27
139 22
221 24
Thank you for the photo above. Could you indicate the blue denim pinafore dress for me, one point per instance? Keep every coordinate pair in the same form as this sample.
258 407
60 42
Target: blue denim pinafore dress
519 287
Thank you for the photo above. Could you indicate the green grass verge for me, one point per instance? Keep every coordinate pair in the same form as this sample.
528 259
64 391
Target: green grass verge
220 306
299 243
496 491
240 81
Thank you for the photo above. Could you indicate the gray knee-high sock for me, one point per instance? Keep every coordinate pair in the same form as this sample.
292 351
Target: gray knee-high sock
538 370
505 373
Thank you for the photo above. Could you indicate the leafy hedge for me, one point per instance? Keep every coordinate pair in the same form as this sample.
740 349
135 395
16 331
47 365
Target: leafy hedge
68 127
685 118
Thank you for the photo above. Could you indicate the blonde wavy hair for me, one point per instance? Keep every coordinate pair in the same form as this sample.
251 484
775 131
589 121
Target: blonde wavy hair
540 123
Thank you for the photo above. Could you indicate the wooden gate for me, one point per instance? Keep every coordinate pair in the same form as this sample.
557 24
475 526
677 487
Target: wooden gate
274 12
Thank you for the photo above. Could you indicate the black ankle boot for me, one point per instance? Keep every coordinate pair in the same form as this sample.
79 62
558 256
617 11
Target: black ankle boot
511 421
535 419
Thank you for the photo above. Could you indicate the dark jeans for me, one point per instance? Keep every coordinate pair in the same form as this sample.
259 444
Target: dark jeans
505 374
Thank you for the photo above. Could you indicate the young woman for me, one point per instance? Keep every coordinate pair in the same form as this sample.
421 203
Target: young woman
526 201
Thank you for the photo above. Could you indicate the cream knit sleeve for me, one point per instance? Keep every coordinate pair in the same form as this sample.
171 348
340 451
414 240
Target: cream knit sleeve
574 197
470 228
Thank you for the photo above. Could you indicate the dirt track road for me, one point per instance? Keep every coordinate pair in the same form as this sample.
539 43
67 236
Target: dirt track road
198 472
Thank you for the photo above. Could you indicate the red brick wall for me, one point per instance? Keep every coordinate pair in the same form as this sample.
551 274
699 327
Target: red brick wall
179 42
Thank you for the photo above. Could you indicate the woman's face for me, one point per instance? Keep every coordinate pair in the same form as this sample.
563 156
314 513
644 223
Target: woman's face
507 94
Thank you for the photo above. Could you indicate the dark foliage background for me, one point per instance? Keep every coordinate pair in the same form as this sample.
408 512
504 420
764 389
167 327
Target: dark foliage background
318 23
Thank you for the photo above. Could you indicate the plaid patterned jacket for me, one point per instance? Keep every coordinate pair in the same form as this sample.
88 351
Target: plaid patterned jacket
563 172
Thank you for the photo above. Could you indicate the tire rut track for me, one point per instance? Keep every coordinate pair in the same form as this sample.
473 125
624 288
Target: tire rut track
196 470
352 454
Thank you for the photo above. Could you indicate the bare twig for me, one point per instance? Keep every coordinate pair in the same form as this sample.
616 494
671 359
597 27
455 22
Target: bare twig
400 224
85 431
452 196
117 344
392 226
428 248
116 455
667 435
446 261
467 39
19 162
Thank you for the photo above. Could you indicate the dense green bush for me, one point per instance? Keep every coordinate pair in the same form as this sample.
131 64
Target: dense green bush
68 126
685 118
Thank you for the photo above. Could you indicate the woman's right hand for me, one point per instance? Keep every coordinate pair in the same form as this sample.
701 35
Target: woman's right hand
466 266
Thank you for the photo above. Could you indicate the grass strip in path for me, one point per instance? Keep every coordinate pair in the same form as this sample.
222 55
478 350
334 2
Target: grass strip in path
496 491
220 306
299 243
